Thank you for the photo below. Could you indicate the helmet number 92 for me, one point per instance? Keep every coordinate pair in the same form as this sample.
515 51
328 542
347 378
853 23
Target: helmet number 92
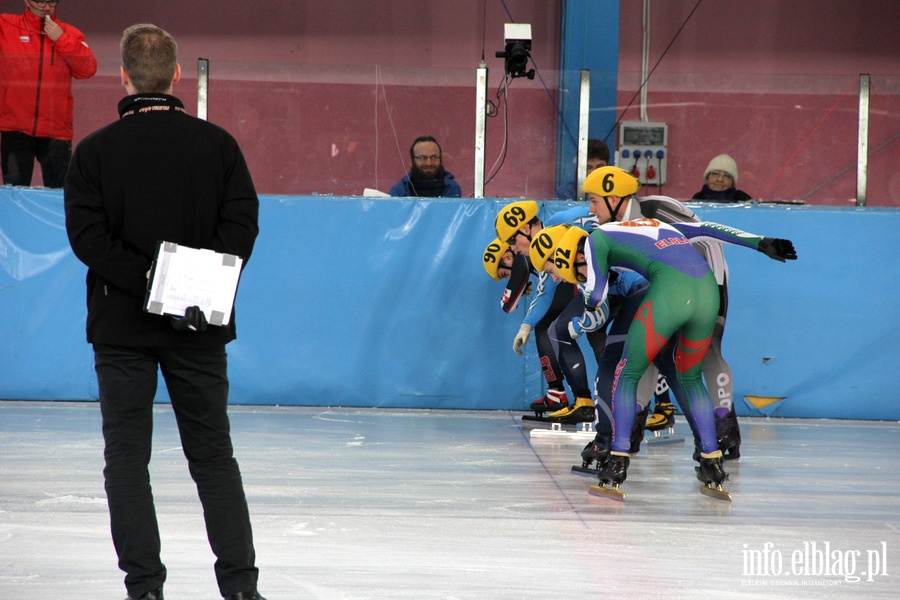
563 258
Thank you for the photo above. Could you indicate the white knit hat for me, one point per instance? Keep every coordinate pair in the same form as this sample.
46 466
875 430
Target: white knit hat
723 162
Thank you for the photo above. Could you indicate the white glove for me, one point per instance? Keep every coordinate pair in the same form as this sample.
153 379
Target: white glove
575 330
521 338
592 320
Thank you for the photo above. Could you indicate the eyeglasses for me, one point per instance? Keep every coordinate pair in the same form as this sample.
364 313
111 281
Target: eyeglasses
40 3
432 158
512 240
721 174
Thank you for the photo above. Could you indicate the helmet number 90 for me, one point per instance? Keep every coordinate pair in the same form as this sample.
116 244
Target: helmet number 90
490 255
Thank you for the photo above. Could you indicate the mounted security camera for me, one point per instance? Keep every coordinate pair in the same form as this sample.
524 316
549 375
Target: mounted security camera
517 50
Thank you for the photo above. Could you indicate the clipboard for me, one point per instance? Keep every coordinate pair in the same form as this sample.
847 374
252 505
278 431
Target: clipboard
182 276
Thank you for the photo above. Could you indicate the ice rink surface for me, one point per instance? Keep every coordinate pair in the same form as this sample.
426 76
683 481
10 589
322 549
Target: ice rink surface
359 504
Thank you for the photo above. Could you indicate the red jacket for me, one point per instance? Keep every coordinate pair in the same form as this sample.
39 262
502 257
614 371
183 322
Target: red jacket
36 76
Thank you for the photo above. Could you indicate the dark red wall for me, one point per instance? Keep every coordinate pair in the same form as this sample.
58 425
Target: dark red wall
326 97
773 84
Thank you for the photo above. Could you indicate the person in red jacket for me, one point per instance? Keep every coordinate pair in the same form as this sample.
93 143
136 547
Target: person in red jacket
39 56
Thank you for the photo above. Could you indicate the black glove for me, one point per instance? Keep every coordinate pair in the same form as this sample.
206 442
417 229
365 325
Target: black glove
615 304
777 249
193 320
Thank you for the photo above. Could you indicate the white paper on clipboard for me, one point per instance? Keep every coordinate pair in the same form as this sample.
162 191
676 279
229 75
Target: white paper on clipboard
183 276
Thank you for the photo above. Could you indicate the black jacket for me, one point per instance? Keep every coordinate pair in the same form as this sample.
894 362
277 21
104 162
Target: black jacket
729 195
155 174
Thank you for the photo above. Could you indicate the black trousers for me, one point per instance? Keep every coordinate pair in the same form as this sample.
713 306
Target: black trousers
18 152
197 382
553 372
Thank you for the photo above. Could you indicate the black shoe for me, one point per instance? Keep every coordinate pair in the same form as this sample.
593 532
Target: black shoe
710 470
596 450
663 416
614 470
151 595
552 402
581 412
637 430
728 434
245 596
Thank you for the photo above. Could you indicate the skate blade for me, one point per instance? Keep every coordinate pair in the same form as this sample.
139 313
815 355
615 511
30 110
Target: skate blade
561 434
587 471
602 491
663 440
535 418
670 430
715 492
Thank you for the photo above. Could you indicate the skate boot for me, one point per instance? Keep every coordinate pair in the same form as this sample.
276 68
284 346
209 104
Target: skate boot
615 469
710 469
597 451
554 400
637 429
663 417
728 434
612 472
711 474
581 412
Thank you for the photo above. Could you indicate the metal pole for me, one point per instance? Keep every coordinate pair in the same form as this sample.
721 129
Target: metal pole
481 77
584 110
202 87
862 152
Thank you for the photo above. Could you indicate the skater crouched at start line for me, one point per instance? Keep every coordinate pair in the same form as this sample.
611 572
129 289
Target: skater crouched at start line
682 298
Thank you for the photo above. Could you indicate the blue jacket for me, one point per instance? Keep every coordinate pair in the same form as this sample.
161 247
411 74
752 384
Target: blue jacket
579 216
404 187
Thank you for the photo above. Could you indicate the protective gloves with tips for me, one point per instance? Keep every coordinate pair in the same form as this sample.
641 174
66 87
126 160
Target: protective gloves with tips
777 249
521 338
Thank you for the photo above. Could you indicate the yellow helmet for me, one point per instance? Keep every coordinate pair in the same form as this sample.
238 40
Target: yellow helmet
564 259
544 244
611 181
513 217
492 255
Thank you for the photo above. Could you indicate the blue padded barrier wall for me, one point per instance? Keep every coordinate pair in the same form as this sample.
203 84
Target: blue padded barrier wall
384 302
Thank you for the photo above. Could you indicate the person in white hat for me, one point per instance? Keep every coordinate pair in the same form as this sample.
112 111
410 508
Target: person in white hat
720 182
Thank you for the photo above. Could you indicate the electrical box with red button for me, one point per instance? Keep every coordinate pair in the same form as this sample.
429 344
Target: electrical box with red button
643 150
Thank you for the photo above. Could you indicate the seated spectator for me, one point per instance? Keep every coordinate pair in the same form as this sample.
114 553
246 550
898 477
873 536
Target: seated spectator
427 177
597 156
721 177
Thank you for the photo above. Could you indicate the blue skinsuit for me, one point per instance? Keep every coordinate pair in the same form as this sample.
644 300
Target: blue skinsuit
555 303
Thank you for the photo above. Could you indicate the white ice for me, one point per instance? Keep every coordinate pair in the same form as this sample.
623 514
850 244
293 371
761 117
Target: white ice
366 504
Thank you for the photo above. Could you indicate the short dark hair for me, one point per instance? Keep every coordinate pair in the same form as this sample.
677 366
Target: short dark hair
419 140
149 56
598 150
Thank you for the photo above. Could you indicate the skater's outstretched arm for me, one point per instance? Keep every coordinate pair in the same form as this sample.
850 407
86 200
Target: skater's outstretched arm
775 248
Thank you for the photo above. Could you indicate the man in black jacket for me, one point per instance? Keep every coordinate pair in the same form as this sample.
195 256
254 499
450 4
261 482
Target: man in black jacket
159 174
